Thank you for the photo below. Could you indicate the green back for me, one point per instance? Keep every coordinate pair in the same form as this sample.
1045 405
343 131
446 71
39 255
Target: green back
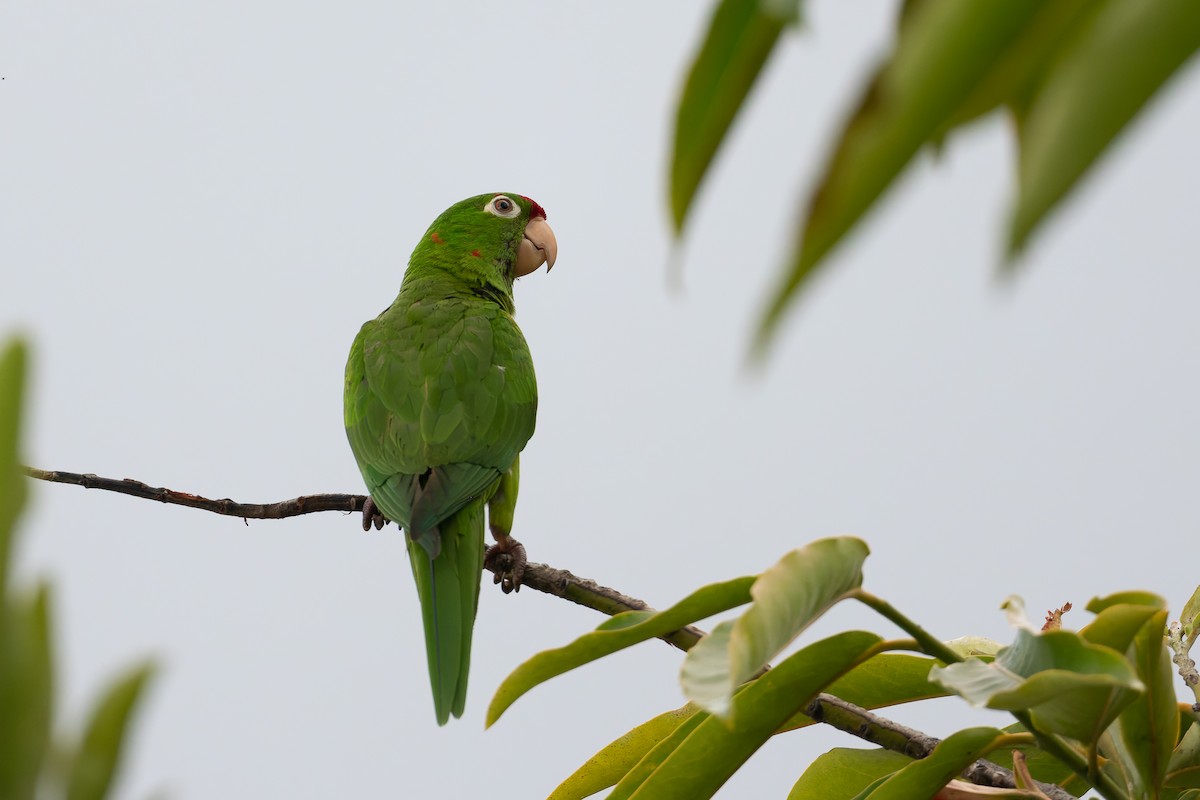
440 394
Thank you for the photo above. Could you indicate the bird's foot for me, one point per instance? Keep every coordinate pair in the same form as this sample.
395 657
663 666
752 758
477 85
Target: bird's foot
372 516
506 558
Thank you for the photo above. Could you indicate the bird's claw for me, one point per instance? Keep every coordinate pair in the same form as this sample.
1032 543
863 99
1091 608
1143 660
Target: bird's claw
372 516
506 559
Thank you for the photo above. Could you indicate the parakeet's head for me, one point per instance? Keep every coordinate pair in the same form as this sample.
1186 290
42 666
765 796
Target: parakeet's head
490 238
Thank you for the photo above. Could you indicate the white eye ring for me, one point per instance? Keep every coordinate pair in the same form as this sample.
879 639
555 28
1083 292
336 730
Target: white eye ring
502 206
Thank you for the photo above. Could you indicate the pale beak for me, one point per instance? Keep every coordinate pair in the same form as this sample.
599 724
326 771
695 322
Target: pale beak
537 248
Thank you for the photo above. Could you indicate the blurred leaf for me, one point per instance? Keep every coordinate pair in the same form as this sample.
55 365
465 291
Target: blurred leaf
943 51
1102 78
955 753
798 589
1014 75
842 773
1136 598
1183 769
12 482
615 760
1069 686
717 748
99 754
1142 738
740 38
26 693
615 634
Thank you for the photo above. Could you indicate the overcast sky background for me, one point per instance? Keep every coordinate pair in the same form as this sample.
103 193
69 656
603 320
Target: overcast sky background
200 203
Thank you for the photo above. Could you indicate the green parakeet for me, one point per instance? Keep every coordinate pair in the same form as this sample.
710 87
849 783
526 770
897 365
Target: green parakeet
440 399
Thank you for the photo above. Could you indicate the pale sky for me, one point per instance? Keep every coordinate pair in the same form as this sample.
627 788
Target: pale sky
200 203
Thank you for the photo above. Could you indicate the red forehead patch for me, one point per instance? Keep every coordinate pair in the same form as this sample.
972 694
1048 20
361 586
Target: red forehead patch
536 211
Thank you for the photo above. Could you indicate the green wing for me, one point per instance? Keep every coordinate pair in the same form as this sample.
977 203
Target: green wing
440 398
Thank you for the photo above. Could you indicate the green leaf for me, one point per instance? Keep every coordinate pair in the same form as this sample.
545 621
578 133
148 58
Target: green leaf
1014 75
1140 741
1069 686
1183 769
740 38
26 693
1102 78
655 758
842 773
12 482
1117 625
1135 598
1190 618
883 680
96 762
943 50
615 760
616 634
798 589
955 753
717 748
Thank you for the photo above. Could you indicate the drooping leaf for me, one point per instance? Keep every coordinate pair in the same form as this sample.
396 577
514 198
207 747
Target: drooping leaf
717 748
943 50
843 772
98 758
616 634
1014 75
739 40
787 598
1069 686
955 753
26 692
1101 79
615 760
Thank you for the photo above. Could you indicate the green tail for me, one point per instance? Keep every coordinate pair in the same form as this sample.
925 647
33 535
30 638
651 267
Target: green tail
449 590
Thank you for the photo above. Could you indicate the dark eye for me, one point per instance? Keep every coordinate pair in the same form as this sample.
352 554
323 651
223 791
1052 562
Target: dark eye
502 206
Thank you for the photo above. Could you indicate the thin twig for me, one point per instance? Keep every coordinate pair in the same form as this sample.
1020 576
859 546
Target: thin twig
824 708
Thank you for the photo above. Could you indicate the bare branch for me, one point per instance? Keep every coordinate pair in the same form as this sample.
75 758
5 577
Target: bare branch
824 708
541 577
307 504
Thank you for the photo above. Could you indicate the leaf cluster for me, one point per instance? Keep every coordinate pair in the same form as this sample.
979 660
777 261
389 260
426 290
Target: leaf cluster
1071 74
1092 709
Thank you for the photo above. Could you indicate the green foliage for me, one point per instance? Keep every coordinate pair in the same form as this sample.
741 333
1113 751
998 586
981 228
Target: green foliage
844 773
739 40
1095 708
26 658
1072 73
787 599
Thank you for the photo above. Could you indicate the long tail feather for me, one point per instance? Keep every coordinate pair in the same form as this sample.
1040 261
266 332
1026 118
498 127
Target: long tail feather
449 590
